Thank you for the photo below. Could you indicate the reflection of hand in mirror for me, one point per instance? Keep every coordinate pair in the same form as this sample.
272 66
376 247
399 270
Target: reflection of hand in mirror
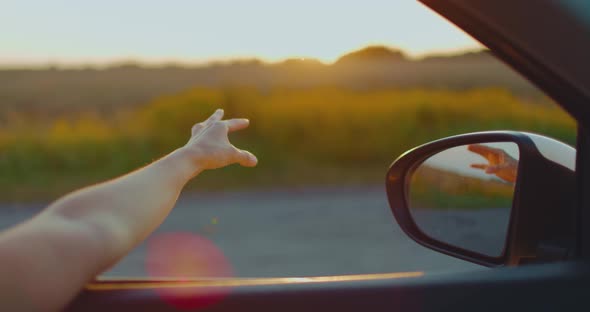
499 162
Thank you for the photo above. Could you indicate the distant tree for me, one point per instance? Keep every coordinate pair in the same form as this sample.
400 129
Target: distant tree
372 54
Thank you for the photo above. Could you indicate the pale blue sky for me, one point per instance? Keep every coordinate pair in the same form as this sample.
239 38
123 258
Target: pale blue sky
60 31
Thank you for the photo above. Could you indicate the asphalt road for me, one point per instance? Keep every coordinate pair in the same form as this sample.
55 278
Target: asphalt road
296 232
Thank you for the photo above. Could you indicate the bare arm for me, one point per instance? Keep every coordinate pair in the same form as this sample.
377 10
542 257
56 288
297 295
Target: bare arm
46 261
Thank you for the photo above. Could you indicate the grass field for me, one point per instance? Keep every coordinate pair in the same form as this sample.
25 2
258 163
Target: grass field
307 136
432 188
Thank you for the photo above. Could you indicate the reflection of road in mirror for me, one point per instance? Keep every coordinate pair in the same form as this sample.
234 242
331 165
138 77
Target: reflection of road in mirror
463 195
482 230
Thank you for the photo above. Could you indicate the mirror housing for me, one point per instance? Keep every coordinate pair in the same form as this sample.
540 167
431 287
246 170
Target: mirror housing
542 220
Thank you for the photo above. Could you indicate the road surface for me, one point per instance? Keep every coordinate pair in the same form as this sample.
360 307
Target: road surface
294 232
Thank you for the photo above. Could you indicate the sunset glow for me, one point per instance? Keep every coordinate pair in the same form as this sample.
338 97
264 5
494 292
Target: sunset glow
67 32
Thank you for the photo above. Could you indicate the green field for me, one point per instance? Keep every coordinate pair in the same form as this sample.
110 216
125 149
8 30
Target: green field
302 136
432 188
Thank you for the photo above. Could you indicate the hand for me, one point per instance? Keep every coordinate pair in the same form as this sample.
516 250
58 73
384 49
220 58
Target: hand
209 146
499 162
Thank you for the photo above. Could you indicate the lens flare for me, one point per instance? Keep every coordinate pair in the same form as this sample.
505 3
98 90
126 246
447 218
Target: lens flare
186 256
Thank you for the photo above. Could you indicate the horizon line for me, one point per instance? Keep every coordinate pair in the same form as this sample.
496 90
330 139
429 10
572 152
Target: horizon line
109 62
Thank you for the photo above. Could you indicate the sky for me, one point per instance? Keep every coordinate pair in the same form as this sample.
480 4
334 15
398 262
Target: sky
90 31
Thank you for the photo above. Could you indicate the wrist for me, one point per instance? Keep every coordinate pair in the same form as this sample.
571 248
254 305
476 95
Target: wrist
184 162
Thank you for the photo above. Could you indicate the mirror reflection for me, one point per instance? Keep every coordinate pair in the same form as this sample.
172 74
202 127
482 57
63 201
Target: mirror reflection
463 195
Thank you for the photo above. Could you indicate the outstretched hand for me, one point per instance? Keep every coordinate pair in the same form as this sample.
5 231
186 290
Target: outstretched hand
209 146
499 162
96 226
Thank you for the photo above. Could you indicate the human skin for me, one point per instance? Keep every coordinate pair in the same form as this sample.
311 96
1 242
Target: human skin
46 261
499 162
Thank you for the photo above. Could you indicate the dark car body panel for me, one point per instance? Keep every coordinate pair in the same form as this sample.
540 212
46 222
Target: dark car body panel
549 287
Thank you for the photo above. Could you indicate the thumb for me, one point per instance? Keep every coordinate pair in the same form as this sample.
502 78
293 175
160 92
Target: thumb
245 158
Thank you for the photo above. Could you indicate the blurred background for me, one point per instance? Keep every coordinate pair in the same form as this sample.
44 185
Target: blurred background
335 91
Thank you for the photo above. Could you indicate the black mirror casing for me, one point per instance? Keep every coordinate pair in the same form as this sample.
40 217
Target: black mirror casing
542 221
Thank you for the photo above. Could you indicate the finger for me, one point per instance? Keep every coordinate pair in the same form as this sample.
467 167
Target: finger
477 148
245 158
219 126
481 149
196 129
494 169
479 166
237 124
216 116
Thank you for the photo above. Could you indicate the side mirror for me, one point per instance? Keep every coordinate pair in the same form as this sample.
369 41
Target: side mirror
493 198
